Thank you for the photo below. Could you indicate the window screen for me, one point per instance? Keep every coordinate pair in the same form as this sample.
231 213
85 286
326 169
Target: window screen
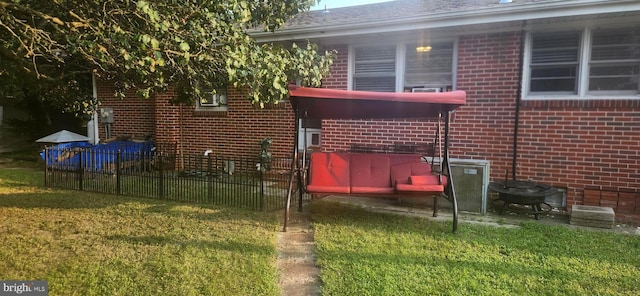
375 68
554 62
429 66
615 60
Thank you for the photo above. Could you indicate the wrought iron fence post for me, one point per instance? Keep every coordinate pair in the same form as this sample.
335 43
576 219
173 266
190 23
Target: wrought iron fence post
80 170
261 189
161 177
118 172
209 179
46 172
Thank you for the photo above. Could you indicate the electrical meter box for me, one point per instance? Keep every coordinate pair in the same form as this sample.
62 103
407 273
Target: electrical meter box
106 115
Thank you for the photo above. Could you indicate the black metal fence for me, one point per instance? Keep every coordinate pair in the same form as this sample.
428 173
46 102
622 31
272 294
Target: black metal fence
238 182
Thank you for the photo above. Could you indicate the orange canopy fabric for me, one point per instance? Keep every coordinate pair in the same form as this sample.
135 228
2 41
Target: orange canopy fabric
325 103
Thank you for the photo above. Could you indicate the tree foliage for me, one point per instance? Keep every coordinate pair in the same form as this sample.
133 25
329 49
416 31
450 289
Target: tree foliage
151 45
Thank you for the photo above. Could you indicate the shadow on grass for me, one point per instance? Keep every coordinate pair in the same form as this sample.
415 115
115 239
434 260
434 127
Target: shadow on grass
72 200
532 237
231 246
58 200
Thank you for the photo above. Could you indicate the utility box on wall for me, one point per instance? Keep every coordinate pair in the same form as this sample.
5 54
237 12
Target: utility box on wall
106 115
470 181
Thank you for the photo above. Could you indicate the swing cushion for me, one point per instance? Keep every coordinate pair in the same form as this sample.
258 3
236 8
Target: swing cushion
370 174
362 173
429 183
416 177
329 173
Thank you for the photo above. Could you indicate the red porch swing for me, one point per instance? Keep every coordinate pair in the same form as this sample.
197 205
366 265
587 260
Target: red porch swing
342 173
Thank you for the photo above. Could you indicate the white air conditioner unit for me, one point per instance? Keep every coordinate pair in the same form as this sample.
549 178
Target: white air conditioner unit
471 183
426 89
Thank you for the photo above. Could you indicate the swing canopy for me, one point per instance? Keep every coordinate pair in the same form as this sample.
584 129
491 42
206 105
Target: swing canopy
322 103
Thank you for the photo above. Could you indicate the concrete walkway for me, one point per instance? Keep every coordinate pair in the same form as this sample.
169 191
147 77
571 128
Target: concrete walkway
299 275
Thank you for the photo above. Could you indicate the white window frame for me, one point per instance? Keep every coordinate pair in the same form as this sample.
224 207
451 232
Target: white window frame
400 62
582 89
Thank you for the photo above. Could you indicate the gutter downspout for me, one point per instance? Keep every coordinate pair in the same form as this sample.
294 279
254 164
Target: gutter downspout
96 137
518 100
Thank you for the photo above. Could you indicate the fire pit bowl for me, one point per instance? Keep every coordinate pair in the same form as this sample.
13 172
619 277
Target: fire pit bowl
523 193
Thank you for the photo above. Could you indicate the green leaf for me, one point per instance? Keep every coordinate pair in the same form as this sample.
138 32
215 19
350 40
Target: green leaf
184 46
145 39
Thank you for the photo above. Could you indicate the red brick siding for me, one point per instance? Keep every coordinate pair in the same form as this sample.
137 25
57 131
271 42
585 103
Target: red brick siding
132 116
574 144
168 118
234 133
339 76
488 72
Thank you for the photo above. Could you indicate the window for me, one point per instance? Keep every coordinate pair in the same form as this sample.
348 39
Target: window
375 69
213 102
589 63
403 67
615 61
554 63
428 68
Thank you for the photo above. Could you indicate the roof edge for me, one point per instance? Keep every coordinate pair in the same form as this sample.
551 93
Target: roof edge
448 19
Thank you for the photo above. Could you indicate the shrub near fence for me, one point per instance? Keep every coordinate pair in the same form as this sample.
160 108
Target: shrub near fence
237 182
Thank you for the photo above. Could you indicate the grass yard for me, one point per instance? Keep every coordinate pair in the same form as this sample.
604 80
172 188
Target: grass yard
94 244
365 253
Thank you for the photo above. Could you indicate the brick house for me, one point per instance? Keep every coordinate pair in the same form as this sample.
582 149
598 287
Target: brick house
560 77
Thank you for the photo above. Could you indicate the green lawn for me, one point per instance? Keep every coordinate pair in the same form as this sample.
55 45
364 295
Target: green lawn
364 253
93 244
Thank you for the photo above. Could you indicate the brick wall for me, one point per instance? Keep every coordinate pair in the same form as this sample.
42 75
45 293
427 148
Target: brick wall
238 131
235 133
579 145
488 72
338 78
132 116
